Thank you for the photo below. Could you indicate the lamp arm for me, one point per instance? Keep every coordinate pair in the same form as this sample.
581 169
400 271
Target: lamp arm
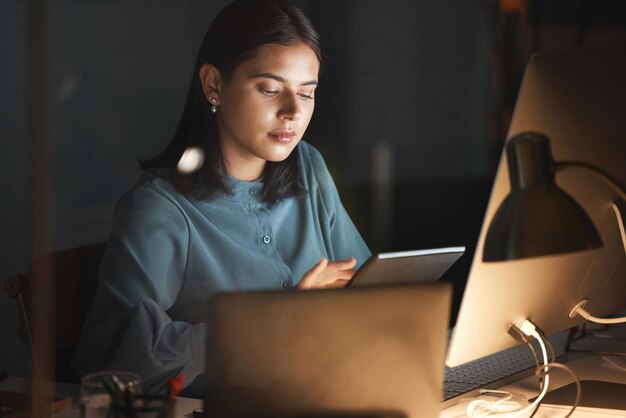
618 206
595 170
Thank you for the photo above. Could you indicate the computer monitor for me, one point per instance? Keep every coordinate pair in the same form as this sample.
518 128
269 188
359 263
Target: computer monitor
577 98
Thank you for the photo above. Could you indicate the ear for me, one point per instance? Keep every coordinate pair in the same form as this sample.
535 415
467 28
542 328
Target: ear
210 79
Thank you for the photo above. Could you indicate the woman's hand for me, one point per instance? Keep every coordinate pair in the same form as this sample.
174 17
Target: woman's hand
328 274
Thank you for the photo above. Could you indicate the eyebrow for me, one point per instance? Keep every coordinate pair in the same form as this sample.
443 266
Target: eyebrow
282 80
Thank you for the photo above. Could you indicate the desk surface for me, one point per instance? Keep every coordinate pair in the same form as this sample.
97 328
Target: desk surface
587 367
184 406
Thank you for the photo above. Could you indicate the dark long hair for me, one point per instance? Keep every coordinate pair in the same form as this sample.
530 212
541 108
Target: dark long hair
234 37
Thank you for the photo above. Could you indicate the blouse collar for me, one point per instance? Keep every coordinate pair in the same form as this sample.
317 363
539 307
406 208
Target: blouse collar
245 191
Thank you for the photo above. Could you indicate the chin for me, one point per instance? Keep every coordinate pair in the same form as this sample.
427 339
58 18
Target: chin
281 154
278 159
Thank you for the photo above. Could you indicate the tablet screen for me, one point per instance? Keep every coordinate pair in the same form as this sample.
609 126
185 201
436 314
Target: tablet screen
406 267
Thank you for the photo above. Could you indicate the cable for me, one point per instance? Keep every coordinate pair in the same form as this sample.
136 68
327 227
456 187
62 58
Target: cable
544 370
481 407
579 310
525 339
597 320
553 357
534 354
529 329
531 347
550 347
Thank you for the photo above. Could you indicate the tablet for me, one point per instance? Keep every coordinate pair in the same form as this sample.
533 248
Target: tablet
406 267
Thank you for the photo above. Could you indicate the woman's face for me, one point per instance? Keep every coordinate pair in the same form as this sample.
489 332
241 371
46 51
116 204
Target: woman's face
265 107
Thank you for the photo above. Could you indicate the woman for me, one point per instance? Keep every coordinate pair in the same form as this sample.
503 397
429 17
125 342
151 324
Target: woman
262 212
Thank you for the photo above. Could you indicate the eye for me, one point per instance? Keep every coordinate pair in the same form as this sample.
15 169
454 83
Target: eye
268 91
306 96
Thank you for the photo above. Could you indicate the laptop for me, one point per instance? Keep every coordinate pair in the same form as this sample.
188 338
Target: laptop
369 352
406 267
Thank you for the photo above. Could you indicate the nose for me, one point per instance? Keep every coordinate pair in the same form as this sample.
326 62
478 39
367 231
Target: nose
291 108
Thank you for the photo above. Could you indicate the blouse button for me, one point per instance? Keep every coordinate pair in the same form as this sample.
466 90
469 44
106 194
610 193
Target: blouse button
252 190
267 239
287 284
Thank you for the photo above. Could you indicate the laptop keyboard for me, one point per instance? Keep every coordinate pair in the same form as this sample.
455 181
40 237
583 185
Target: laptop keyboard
493 371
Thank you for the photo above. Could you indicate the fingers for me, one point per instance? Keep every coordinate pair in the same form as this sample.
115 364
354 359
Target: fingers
329 274
341 269
312 275
346 264
339 283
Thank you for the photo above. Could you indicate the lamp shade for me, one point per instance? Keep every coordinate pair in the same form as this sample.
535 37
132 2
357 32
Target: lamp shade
537 218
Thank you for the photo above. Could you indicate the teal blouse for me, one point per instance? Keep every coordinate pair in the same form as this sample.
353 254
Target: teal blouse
168 253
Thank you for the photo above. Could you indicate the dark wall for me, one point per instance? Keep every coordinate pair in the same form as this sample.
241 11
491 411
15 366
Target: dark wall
407 118
116 74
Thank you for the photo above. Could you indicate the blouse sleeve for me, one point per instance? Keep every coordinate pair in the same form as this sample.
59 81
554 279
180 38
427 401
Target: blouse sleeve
344 240
140 276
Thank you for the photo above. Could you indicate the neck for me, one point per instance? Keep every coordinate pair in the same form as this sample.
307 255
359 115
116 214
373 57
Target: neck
251 172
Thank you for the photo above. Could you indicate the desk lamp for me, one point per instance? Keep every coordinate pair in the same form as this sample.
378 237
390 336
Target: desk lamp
539 218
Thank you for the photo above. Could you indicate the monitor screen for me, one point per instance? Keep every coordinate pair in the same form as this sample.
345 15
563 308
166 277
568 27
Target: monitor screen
577 98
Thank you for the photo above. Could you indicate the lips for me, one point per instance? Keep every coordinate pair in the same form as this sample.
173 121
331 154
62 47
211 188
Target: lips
283 136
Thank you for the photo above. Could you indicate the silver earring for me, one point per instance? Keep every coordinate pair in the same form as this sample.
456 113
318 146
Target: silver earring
214 104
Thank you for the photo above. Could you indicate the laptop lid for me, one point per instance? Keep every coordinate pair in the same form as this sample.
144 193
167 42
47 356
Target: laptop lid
406 267
371 352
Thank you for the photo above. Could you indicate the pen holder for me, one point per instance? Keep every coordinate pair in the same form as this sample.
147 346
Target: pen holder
101 389
145 406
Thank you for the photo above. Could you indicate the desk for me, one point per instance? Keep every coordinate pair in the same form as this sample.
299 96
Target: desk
586 366
184 406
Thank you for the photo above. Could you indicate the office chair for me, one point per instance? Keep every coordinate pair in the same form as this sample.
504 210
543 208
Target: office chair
75 280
